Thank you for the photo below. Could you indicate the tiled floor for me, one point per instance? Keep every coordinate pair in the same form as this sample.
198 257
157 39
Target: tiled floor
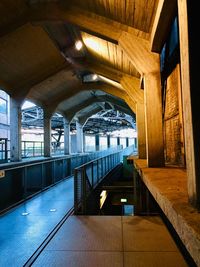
21 235
111 241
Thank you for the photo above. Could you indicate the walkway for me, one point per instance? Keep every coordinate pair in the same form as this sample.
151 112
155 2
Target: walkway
111 241
21 235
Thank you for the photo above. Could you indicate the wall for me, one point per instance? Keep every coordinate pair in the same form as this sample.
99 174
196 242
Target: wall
173 125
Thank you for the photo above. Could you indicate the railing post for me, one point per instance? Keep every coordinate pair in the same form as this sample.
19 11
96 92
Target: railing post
97 170
25 182
92 174
6 149
84 191
42 172
75 192
54 172
33 149
101 167
63 167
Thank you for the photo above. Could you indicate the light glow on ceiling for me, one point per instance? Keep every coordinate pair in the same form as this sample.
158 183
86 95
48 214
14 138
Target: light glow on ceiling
91 43
109 81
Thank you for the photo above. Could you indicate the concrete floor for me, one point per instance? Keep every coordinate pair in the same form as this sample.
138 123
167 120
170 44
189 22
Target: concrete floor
111 241
83 241
21 235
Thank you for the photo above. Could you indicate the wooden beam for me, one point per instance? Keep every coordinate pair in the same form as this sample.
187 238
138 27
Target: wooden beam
153 118
89 22
164 16
138 52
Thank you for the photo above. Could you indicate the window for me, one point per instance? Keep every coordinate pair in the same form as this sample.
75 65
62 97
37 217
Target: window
3 106
170 52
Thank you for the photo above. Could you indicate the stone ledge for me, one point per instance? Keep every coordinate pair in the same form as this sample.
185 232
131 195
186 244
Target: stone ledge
168 186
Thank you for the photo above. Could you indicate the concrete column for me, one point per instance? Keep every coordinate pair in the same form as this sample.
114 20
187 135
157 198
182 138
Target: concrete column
15 130
118 141
79 137
67 138
97 142
127 141
141 131
189 57
47 134
108 141
135 143
153 120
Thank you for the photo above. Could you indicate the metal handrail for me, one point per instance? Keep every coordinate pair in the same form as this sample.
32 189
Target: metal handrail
88 176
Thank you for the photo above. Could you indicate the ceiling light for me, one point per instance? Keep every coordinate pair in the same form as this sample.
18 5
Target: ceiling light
94 77
78 45
123 200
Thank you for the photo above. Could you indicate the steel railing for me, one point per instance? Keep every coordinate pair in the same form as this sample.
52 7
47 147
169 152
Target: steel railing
24 179
89 175
31 149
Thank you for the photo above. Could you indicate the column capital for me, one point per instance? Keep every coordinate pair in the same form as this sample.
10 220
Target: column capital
47 113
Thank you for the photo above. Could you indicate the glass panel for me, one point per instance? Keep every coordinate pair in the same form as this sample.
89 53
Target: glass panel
3 106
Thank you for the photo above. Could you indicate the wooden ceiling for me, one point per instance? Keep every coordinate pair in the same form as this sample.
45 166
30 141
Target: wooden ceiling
134 13
38 60
109 54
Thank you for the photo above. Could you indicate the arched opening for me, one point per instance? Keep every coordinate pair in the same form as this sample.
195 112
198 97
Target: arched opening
32 130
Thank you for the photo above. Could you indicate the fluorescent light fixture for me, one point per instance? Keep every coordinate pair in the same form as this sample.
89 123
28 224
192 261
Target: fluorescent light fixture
52 210
78 45
25 213
123 200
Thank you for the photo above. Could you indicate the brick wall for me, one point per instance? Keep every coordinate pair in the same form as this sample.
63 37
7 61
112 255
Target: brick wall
173 126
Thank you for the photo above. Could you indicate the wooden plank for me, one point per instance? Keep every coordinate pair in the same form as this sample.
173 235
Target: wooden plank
165 13
153 119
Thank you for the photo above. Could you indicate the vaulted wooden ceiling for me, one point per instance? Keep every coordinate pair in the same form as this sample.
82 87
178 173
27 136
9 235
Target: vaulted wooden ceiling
38 59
